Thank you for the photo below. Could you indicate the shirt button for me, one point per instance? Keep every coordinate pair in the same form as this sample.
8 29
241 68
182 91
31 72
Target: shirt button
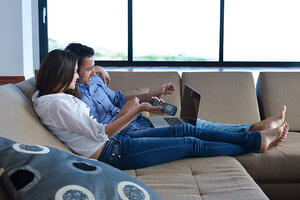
119 156
113 154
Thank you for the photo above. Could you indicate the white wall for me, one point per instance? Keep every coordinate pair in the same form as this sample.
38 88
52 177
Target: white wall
16 38
35 34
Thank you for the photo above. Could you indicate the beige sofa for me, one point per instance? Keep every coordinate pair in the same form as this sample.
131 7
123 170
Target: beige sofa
228 97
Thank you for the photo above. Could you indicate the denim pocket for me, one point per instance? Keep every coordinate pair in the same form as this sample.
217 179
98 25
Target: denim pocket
115 152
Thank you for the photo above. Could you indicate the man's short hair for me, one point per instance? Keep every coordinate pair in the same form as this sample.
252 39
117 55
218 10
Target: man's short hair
80 51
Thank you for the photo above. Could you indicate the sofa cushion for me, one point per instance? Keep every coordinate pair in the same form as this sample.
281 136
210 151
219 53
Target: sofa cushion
40 172
227 97
281 191
152 80
278 165
3 193
19 121
280 88
212 178
27 87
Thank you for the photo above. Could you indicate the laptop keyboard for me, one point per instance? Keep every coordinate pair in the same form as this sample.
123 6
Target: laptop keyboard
173 121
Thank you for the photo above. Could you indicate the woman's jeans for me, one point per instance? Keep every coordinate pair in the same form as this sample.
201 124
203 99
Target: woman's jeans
150 146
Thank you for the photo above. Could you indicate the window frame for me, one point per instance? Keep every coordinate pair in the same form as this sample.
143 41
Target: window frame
43 38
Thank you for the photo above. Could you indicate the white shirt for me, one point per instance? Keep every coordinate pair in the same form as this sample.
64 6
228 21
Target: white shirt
68 118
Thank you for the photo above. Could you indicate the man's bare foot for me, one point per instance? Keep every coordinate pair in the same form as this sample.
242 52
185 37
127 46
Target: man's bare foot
281 138
269 136
271 122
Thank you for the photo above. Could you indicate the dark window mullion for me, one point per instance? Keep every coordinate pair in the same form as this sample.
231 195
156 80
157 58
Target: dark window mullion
130 51
221 47
43 28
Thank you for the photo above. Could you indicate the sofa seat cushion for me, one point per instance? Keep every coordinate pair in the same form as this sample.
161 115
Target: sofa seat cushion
200 178
278 165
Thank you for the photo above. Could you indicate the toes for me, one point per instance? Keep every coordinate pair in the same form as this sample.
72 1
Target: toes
284 108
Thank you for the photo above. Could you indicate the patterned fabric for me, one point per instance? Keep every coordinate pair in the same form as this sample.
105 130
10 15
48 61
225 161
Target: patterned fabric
38 172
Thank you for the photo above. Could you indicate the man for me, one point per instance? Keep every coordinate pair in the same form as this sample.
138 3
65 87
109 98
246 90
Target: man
107 105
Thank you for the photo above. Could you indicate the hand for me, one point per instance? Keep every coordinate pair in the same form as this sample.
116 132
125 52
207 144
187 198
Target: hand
149 108
129 105
167 88
100 71
158 99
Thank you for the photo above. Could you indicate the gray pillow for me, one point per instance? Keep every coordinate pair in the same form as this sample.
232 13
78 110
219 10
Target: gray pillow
38 172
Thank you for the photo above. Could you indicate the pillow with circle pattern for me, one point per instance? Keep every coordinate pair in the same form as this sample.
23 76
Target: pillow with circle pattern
38 172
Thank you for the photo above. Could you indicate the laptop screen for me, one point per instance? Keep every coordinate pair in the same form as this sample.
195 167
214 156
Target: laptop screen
190 105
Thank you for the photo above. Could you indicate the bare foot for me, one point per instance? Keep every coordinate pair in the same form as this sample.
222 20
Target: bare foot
281 138
269 136
271 122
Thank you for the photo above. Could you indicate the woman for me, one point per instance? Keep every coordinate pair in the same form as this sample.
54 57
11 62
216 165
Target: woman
68 118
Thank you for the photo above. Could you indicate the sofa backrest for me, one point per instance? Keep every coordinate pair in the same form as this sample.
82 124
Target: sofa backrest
27 87
276 89
151 80
19 121
227 97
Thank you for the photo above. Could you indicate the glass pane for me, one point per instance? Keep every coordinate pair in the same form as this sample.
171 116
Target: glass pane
262 30
176 30
100 24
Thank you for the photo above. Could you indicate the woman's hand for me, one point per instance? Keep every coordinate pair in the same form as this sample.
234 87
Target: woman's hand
133 108
129 105
149 108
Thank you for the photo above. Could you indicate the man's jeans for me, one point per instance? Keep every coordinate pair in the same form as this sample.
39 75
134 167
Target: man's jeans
222 127
150 146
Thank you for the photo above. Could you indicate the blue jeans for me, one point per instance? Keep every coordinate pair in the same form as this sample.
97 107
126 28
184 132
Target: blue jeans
144 122
223 127
150 146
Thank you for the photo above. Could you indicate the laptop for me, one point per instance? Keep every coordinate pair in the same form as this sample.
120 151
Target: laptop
189 111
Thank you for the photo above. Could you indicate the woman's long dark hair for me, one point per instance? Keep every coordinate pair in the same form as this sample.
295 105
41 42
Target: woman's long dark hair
56 73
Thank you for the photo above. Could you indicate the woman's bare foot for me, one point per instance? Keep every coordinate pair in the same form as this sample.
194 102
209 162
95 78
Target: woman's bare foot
281 138
269 136
271 122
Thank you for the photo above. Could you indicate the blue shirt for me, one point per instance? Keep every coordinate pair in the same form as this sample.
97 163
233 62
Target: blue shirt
105 104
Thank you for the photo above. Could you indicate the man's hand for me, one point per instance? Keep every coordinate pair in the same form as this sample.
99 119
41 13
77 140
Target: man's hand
129 105
100 71
167 88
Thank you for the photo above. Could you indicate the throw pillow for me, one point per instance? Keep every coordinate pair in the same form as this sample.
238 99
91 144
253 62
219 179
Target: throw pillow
38 172
137 91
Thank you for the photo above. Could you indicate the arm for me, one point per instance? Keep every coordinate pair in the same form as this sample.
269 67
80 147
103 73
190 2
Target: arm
129 105
116 98
165 89
122 121
102 73
73 117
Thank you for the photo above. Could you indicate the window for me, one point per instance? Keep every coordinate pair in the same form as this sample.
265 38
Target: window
191 33
176 30
262 30
101 24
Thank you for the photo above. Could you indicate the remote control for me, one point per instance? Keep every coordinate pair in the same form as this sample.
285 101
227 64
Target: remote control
167 108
